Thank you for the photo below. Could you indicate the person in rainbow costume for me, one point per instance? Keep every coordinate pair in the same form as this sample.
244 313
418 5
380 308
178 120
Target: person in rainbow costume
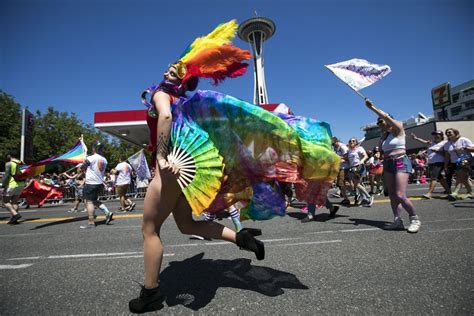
213 150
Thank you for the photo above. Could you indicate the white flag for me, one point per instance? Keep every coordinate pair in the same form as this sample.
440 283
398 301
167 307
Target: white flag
359 73
139 164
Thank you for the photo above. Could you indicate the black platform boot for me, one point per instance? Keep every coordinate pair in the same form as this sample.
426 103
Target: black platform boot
245 240
253 231
148 301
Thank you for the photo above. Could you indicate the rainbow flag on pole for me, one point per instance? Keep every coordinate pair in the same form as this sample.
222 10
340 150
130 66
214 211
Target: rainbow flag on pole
75 155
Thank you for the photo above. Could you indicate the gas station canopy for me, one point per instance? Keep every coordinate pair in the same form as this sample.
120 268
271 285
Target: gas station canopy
131 125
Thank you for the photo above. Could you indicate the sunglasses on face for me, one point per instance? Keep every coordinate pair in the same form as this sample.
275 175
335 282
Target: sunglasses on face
449 133
352 141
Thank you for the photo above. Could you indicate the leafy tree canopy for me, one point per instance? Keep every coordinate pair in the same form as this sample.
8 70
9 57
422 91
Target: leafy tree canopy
54 133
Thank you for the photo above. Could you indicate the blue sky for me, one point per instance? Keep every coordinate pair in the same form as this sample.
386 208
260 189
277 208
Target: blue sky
85 56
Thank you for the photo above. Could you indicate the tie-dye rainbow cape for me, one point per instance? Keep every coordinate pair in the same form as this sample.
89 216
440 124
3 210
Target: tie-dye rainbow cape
75 155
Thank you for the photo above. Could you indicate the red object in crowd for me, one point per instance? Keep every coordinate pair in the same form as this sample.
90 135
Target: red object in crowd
36 193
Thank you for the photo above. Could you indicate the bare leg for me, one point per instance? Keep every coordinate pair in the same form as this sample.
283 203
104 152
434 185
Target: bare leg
122 202
432 187
160 200
90 212
76 204
401 183
372 182
389 179
443 182
187 225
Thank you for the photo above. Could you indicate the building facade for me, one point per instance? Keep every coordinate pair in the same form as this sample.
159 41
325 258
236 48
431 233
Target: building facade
461 104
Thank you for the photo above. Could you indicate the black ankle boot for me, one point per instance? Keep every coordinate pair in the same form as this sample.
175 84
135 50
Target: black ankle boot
253 231
149 300
245 240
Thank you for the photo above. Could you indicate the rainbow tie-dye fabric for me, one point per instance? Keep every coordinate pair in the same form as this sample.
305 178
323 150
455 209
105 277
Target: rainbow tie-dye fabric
258 146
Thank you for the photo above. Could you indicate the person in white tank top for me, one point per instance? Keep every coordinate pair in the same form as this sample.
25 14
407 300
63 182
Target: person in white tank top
397 168
435 154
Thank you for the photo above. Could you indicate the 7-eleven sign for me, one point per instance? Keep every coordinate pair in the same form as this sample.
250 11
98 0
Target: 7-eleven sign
441 95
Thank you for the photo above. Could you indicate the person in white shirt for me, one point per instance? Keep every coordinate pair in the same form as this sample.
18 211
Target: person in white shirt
458 156
123 177
341 150
435 153
94 166
357 157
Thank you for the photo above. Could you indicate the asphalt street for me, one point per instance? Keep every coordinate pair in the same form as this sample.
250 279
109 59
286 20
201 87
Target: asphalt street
346 265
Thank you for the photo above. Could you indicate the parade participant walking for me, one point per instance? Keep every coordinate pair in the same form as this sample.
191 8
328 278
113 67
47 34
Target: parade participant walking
11 187
458 156
94 166
357 158
221 129
311 208
76 181
123 175
375 166
435 154
397 169
342 150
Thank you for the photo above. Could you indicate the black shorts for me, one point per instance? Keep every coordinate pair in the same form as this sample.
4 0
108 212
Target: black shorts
91 192
435 170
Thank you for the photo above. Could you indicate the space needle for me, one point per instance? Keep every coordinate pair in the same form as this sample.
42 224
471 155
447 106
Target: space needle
255 31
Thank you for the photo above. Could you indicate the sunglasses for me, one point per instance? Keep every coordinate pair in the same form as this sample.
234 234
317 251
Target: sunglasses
352 141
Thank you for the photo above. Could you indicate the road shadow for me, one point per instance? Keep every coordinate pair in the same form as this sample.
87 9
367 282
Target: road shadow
67 221
465 204
194 282
366 222
319 217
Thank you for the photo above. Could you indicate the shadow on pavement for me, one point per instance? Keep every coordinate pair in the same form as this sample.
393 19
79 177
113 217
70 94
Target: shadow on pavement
66 221
465 204
194 282
367 222
320 217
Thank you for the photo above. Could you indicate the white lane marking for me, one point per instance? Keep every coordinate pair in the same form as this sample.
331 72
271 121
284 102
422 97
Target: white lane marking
309 243
358 230
25 234
450 230
323 232
217 243
21 211
16 266
449 220
95 256
25 258
281 239
126 257
183 245
90 255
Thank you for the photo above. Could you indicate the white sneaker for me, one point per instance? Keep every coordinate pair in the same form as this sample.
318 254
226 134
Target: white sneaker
396 225
415 224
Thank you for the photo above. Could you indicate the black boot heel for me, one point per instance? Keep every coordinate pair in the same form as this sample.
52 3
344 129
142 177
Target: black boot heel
253 231
246 241
148 301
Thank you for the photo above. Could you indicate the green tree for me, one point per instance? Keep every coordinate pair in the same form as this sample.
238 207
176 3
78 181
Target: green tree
54 133
10 125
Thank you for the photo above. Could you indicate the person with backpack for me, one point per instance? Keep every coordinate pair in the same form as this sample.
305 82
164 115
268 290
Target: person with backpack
11 187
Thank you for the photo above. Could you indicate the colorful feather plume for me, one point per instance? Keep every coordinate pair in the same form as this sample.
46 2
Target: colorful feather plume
213 56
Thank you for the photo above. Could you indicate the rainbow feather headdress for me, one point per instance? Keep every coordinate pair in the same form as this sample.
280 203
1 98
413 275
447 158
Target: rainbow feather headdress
213 56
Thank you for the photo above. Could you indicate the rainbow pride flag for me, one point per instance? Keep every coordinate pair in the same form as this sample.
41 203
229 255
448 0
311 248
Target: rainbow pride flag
75 155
